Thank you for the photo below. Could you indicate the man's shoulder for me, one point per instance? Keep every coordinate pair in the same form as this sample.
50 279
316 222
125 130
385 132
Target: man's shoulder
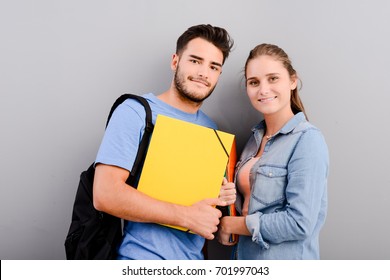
131 105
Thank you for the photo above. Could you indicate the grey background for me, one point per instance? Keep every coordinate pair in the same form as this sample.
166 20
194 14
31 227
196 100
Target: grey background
63 63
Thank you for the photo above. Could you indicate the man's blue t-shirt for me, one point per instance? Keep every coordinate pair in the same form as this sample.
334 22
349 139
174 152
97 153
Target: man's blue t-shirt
119 147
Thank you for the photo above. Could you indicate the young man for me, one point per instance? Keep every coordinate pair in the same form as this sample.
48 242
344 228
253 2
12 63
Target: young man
197 64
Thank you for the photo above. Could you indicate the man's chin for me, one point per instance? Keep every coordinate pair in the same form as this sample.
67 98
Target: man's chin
194 97
198 98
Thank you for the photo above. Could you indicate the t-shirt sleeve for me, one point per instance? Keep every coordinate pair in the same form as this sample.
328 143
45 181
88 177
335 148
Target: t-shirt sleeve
121 139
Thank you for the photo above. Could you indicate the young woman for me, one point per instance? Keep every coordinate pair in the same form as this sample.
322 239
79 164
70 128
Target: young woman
282 173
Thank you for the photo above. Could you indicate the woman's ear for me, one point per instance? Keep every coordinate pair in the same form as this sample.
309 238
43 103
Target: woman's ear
294 82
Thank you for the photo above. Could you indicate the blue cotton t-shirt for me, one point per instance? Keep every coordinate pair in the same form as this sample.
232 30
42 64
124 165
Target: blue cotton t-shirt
119 147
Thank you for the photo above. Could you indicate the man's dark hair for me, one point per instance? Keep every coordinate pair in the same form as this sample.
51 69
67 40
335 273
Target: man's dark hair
218 36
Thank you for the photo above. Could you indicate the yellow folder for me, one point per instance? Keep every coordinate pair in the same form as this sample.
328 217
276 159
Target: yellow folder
185 162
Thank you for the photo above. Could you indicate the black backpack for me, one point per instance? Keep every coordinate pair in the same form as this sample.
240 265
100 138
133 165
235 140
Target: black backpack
94 234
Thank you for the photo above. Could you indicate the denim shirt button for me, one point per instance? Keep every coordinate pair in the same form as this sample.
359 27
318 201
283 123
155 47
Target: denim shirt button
270 174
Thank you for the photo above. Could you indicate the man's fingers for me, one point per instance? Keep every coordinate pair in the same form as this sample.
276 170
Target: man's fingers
215 202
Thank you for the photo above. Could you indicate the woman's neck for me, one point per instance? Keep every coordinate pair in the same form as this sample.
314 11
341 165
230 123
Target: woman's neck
274 122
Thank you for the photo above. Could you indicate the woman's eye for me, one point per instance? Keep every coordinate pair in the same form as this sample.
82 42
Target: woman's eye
253 83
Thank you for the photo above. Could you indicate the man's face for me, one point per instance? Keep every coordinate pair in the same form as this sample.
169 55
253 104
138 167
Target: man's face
197 70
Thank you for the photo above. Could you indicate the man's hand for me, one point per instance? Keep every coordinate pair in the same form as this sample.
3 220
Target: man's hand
203 218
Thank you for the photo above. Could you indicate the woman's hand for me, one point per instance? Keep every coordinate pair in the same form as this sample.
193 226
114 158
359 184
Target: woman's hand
224 234
227 192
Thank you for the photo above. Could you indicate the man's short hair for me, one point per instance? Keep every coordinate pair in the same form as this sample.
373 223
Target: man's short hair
218 36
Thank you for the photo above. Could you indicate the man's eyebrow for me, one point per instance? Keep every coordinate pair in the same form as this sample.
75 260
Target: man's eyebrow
216 63
196 57
201 59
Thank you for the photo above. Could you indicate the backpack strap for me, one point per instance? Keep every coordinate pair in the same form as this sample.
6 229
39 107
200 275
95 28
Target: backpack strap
143 145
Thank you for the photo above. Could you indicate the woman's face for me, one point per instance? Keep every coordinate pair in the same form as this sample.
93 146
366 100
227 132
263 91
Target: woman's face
269 85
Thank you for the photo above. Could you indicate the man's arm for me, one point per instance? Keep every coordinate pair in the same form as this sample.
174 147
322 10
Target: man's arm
112 195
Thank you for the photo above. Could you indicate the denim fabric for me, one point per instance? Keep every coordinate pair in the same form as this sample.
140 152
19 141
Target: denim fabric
288 201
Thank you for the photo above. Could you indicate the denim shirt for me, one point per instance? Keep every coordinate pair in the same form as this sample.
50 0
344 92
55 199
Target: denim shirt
288 201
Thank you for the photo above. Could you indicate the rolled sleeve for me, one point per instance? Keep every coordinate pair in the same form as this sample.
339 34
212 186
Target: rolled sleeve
253 224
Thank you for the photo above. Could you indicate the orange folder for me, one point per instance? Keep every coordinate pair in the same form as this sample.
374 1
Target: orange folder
230 177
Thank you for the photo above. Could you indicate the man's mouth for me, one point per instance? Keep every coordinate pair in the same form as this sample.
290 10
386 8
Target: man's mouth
201 81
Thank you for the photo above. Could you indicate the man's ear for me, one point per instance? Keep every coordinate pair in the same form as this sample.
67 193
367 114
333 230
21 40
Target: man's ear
174 62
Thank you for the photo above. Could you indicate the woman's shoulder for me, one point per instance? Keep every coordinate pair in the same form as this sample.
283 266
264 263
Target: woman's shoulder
306 126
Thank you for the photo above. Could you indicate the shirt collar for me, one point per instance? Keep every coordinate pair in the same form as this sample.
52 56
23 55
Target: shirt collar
287 128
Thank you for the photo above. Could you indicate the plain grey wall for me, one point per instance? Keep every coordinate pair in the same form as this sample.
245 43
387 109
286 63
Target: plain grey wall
63 63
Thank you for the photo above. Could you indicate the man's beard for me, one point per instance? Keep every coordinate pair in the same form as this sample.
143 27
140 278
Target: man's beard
180 80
